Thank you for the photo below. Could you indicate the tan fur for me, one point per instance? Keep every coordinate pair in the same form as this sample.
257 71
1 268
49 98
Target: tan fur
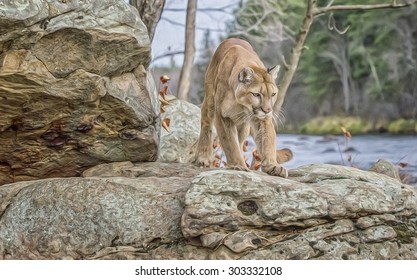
239 98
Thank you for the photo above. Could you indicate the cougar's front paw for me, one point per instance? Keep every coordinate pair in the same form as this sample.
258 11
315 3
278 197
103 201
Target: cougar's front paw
201 161
276 170
238 168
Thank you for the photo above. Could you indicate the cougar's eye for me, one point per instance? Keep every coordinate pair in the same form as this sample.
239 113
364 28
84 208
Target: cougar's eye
256 94
274 93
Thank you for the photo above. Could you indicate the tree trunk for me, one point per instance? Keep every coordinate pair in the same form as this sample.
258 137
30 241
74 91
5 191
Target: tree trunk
150 12
185 76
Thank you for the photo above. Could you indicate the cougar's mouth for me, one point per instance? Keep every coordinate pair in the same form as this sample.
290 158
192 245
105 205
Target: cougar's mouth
259 113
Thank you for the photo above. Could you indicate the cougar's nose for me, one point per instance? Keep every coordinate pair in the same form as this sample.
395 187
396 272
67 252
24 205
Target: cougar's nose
267 110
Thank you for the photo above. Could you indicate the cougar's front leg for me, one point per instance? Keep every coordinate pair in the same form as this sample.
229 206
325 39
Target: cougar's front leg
205 142
228 136
263 132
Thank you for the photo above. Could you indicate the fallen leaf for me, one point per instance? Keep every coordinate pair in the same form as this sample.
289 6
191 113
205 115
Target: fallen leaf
164 79
245 145
346 132
163 92
256 156
403 164
165 124
163 102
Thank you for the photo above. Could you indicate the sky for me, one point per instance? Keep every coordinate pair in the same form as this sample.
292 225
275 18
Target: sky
170 37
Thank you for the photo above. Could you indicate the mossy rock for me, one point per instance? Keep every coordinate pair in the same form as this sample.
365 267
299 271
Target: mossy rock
403 126
333 124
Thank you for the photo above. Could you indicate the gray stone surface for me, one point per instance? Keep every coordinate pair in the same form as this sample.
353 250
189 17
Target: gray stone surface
74 88
177 211
177 145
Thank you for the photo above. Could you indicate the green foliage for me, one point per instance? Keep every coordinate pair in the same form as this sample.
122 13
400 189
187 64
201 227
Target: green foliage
403 126
332 125
372 44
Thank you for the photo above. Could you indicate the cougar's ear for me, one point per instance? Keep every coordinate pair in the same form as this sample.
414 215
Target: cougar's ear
273 71
246 75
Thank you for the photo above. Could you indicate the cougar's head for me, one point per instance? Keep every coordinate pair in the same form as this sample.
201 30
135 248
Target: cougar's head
257 91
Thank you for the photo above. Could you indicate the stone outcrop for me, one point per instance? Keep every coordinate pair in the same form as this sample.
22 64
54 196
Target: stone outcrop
178 211
178 145
74 88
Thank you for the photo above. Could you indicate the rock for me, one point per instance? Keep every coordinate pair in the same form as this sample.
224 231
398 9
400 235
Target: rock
387 168
177 211
74 88
319 212
177 145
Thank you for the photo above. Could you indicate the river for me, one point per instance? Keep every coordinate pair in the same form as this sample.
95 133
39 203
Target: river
364 150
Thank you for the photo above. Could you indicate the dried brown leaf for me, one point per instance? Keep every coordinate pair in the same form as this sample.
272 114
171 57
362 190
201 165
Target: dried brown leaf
245 145
403 164
163 102
257 166
165 124
163 92
346 132
164 79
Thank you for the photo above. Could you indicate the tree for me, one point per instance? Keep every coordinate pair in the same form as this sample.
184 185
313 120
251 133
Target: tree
312 11
199 69
189 53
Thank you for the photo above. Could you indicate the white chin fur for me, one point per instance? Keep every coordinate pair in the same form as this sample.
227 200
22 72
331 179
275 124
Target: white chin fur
261 115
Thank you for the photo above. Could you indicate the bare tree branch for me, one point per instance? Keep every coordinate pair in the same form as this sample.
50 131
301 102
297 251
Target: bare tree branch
266 20
167 54
296 53
219 9
197 27
331 25
330 8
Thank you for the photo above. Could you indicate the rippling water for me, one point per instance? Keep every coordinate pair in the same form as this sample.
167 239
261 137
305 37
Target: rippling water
363 150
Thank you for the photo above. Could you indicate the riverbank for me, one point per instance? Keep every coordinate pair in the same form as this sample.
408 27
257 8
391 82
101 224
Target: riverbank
330 125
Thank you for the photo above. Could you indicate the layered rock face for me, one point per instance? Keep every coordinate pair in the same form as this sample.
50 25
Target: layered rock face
178 211
74 88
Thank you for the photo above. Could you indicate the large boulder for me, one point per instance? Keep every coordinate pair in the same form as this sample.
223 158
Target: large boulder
178 211
74 88
179 143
